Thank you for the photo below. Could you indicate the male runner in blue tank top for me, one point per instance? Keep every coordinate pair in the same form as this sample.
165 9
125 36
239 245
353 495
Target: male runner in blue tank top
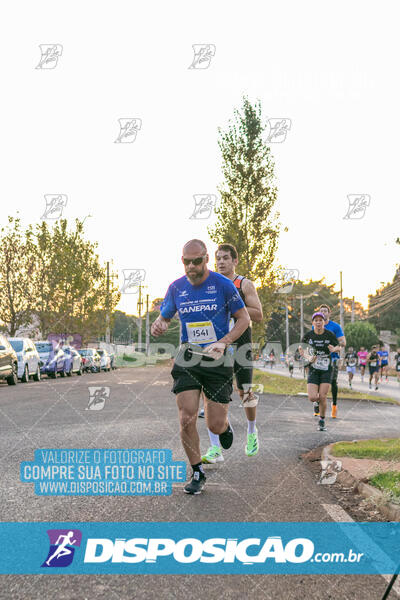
226 258
205 302
337 330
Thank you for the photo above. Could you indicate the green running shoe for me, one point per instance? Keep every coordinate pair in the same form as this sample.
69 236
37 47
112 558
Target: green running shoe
252 444
214 455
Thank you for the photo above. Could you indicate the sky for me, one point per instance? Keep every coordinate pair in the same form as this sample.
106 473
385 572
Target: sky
331 69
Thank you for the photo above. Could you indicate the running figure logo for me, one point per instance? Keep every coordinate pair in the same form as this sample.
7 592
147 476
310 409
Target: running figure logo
287 280
357 205
203 205
50 55
203 54
97 397
55 203
277 130
61 551
132 280
128 129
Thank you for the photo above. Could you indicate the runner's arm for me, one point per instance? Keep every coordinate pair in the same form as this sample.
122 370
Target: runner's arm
252 300
242 322
159 326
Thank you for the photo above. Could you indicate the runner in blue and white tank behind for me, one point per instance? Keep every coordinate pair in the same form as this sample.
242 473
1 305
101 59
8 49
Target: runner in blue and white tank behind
384 355
337 330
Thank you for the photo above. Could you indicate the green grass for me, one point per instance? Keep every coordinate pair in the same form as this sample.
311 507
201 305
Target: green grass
139 359
388 482
376 449
289 386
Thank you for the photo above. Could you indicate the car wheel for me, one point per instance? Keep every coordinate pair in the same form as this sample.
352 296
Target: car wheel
80 371
62 373
36 376
25 376
13 378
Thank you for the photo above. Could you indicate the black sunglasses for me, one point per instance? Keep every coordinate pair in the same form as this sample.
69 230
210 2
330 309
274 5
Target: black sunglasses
195 261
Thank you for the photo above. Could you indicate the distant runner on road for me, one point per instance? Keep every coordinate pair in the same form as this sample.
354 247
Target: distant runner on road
384 355
322 343
351 362
337 330
373 360
397 364
205 301
226 258
362 360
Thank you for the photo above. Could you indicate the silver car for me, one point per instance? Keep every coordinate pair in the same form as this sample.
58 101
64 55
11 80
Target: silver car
28 358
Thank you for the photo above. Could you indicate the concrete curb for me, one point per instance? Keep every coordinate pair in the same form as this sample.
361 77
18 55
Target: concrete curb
388 509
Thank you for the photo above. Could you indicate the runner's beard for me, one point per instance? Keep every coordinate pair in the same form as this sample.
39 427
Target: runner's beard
195 277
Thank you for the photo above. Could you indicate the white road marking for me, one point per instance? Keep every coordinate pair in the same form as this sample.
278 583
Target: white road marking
338 514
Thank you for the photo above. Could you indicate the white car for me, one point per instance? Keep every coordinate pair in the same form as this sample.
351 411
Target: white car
28 358
105 360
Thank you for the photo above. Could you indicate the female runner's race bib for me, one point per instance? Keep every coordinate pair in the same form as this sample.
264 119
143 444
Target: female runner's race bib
322 363
201 333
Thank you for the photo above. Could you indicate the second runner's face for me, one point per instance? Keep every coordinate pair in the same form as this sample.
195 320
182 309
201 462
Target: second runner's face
325 312
225 263
195 272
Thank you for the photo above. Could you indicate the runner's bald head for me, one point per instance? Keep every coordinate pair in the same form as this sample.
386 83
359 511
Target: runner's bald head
194 246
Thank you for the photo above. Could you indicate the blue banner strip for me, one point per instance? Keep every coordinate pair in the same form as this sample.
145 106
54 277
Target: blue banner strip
196 548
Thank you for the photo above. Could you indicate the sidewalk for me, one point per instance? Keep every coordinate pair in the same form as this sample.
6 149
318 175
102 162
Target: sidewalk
390 389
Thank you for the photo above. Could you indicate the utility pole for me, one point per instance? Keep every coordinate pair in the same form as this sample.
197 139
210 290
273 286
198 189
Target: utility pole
108 305
108 336
352 310
301 318
147 326
341 303
287 323
139 305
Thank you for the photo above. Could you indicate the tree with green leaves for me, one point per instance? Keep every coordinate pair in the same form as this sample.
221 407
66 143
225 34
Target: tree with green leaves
246 215
360 333
17 259
69 281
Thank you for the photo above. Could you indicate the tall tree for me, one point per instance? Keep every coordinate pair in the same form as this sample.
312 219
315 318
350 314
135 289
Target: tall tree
17 254
246 216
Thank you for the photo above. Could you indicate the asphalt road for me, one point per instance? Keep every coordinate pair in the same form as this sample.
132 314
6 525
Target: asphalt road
277 485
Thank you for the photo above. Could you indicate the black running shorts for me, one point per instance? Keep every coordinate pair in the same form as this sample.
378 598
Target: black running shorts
244 373
216 382
317 376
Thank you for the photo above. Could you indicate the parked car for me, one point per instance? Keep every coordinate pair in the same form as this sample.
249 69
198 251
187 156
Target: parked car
91 359
28 358
105 360
52 359
8 362
73 363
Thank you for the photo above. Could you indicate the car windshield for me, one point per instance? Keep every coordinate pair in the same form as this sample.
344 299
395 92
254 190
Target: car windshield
17 345
44 346
86 352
